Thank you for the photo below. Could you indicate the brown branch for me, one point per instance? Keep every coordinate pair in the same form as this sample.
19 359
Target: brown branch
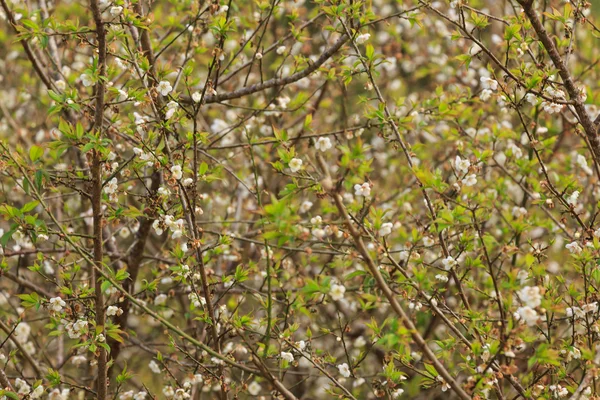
96 172
4 381
258 87
24 353
37 66
285 392
584 118
145 40
414 333
136 251
26 283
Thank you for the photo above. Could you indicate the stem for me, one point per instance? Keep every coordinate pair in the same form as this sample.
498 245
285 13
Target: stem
96 171
584 118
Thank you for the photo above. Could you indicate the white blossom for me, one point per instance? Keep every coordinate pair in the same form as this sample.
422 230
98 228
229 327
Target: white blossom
289 357
112 186
470 180
531 99
113 310
385 229
123 96
22 331
172 107
574 247
254 388
528 315
154 367
115 11
362 189
519 212
86 80
323 144
572 199
582 162
164 88
177 171
462 164
485 94
449 263
37 392
344 370
488 83
531 296
360 39
160 300
305 206
295 164
337 292
551 107
57 304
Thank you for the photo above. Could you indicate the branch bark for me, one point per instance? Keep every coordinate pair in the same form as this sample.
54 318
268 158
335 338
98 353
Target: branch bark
37 66
96 172
584 118
4 381
273 82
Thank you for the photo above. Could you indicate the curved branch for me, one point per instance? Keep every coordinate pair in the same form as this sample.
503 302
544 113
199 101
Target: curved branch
259 87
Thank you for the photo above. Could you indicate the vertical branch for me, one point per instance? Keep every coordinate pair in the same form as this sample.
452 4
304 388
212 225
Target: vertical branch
135 253
96 172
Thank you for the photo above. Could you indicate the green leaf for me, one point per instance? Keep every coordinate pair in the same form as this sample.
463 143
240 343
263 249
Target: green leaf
39 175
370 52
203 168
30 300
35 152
29 206
55 96
9 394
6 237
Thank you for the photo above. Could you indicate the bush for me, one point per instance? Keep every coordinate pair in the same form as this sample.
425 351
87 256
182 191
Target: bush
299 200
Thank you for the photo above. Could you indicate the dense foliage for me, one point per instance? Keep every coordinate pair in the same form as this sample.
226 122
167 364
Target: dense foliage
310 199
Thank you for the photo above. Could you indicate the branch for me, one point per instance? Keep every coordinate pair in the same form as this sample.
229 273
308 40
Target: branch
26 283
96 171
4 381
584 118
258 87
32 58
24 353
404 319
285 392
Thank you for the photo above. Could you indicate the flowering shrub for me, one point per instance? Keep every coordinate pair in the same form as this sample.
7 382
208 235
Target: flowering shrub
299 199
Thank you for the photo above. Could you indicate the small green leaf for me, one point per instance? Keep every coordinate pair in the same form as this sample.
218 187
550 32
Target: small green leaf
35 152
